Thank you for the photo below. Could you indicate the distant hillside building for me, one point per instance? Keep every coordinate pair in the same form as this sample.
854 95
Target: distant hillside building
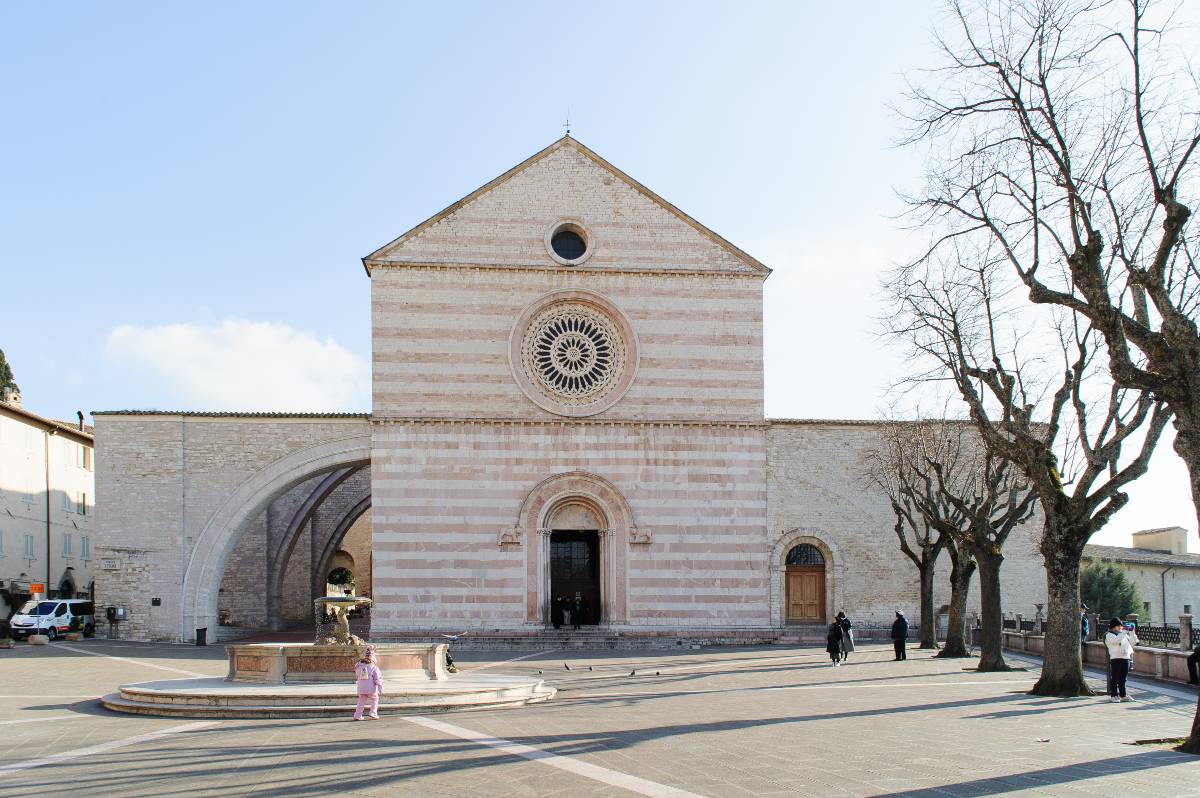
567 405
1166 576
46 512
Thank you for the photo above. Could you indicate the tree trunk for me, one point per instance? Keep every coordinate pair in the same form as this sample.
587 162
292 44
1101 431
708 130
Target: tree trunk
1187 446
1062 671
962 567
928 632
991 613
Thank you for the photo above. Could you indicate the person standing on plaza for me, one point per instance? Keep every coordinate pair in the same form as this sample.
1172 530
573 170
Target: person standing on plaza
833 642
900 635
1084 626
581 608
556 612
369 682
847 635
1119 641
1192 661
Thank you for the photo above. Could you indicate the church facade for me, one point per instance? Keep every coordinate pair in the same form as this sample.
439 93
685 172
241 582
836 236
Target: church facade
567 410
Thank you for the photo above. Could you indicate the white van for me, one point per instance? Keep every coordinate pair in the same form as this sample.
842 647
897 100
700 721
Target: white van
52 617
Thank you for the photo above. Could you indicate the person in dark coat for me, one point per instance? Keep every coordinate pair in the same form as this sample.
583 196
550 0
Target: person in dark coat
847 635
581 608
899 635
1084 625
833 642
1192 661
556 612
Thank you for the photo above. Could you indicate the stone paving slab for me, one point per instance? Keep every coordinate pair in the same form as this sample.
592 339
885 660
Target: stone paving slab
715 722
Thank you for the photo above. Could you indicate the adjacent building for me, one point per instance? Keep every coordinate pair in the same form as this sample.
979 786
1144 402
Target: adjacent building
1166 576
47 505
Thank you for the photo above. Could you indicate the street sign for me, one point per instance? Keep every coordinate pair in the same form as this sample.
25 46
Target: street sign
109 565
37 587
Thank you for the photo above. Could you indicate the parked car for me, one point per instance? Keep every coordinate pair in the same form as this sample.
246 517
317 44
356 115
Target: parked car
52 617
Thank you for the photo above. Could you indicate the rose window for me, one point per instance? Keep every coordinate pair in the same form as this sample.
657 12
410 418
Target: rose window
573 353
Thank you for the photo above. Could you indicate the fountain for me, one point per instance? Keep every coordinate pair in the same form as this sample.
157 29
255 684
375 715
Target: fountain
337 631
316 679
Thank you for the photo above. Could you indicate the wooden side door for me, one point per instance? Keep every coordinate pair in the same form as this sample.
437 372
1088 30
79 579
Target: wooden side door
806 594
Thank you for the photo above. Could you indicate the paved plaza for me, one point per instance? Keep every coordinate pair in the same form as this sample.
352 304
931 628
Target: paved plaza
714 722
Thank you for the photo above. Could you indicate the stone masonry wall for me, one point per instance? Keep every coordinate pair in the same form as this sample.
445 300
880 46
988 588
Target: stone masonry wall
357 544
441 343
442 493
816 487
159 478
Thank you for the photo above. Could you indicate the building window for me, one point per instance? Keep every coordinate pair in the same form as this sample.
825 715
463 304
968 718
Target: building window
83 504
1 543
87 457
66 502
66 538
85 548
805 554
29 547
28 497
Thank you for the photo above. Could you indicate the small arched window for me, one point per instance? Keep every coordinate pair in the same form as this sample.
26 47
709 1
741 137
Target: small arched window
805 554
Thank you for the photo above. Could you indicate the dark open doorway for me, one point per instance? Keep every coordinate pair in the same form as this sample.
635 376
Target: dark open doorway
575 573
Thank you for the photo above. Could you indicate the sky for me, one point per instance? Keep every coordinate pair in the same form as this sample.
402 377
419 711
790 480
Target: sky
186 189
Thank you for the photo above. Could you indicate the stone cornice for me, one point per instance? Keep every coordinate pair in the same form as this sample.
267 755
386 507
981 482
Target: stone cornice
557 269
565 421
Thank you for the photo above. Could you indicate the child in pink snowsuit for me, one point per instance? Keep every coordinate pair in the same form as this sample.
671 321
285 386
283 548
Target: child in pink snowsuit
369 681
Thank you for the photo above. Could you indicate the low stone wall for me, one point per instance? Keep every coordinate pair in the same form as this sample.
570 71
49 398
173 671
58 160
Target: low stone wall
1167 664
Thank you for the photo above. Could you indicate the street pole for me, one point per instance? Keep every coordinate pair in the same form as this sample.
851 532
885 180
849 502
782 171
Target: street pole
49 432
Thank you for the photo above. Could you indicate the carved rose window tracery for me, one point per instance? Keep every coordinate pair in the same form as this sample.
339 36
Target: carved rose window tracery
573 353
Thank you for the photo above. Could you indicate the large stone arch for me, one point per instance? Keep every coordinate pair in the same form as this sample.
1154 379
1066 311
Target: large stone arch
321 563
202 575
606 502
280 551
834 570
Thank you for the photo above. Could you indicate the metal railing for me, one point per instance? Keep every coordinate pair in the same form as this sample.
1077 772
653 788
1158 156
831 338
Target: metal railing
1027 626
1166 635
1010 623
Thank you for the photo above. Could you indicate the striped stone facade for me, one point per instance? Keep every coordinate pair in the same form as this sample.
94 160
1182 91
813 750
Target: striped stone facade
695 497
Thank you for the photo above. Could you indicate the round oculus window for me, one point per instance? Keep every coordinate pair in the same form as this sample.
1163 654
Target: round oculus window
568 244
573 354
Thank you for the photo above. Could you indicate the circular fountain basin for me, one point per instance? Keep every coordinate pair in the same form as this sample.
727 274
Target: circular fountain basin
218 698
310 663
301 680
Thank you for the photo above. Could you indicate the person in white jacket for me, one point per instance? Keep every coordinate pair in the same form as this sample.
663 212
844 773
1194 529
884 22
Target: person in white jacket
1120 642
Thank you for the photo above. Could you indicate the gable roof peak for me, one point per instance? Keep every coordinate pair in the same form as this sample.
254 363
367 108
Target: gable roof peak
380 255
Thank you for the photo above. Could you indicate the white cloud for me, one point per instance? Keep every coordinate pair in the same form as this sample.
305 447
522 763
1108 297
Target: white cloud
243 365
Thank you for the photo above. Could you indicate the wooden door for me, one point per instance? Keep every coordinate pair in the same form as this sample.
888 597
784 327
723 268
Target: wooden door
806 594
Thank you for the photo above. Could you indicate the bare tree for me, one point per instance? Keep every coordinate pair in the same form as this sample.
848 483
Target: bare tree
889 467
987 500
962 569
939 472
1067 431
1065 132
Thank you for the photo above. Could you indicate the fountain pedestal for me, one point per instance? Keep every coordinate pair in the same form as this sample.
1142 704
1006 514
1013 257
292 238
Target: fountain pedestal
308 663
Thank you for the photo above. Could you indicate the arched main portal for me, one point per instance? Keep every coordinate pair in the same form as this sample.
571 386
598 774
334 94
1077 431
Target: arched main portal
210 553
576 595
555 505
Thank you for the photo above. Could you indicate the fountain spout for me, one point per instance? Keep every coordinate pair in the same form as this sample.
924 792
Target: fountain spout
337 631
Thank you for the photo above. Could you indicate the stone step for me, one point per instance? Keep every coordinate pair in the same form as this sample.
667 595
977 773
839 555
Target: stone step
598 639
217 698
